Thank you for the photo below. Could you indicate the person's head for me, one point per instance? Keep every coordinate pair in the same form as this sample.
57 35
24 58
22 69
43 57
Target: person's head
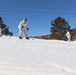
25 19
67 30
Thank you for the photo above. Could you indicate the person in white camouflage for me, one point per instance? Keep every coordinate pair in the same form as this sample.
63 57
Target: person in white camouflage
22 25
68 35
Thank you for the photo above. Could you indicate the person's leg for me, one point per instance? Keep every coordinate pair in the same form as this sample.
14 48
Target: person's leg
20 33
69 39
0 32
25 35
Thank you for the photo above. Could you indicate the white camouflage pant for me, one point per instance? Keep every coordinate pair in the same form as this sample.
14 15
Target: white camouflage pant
22 31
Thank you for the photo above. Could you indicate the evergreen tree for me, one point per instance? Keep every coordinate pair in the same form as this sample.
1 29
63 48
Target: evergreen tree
58 28
5 29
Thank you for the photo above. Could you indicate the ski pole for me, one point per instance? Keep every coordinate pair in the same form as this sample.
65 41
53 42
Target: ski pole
14 34
27 32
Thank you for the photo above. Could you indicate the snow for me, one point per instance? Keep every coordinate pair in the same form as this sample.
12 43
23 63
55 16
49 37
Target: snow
37 56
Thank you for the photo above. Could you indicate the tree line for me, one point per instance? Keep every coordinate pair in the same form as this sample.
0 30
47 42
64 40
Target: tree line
57 30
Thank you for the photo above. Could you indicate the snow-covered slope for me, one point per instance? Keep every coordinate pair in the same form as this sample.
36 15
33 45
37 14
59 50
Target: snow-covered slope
37 57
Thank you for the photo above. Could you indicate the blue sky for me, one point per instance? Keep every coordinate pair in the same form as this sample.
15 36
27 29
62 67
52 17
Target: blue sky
39 14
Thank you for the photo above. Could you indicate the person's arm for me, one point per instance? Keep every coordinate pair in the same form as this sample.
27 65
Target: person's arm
66 34
21 25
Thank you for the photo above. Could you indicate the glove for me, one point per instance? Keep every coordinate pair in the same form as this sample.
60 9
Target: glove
27 28
22 26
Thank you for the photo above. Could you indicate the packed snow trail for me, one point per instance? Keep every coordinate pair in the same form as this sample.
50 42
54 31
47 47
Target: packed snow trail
37 57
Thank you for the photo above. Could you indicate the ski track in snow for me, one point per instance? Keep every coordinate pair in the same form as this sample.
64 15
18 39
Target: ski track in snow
36 57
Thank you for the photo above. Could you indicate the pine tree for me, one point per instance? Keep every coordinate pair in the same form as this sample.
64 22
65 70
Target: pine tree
5 29
58 28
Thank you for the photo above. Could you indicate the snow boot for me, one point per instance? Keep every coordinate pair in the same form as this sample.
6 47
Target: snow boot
20 37
27 38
